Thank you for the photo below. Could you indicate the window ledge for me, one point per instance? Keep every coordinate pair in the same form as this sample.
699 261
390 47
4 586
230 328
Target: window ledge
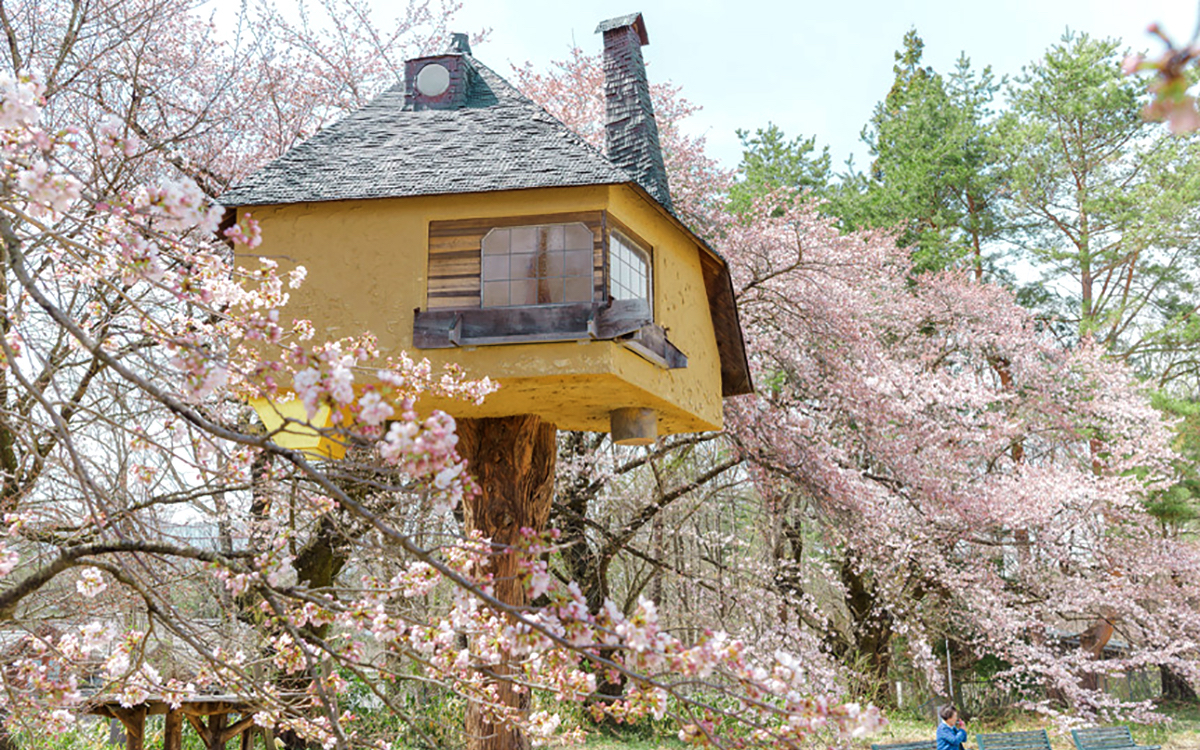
628 322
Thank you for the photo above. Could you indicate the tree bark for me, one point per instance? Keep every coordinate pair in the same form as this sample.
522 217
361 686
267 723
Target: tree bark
512 460
1092 641
1175 686
871 629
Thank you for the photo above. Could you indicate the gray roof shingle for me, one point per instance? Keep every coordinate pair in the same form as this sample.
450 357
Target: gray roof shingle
499 141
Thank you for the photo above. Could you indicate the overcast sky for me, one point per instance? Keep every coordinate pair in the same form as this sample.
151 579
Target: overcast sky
813 68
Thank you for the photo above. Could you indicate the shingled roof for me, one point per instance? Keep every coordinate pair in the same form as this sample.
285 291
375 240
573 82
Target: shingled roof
499 140
488 137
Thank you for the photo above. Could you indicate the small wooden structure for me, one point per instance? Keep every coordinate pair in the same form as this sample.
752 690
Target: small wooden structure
209 715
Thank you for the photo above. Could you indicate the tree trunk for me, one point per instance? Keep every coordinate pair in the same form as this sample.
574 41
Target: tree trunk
871 629
1092 642
1175 687
512 460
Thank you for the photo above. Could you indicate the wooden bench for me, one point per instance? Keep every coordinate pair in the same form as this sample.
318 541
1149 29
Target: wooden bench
1107 738
1035 740
922 745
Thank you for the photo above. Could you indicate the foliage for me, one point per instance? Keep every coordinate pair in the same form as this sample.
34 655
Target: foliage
1177 507
770 161
964 474
933 171
910 430
138 487
1106 205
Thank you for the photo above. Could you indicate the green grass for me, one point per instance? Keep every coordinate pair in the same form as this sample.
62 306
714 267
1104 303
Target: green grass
611 742
1181 733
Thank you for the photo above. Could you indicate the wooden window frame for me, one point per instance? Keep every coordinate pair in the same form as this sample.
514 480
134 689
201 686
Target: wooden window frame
563 277
639 250
455 315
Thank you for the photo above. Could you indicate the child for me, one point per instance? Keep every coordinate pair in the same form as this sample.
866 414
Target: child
951 733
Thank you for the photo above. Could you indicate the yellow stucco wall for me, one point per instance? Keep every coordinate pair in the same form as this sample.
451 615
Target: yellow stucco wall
367 271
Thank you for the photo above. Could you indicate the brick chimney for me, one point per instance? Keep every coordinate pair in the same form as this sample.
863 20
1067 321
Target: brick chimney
631 134
439 81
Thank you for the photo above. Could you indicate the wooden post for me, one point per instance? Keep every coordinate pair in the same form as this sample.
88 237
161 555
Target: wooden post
173 731
512 459
216 732
212 733
134 720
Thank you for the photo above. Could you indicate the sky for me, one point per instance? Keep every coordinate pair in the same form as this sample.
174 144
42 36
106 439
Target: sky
812 68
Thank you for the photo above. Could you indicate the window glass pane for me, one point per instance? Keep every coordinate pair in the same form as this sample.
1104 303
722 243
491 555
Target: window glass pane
578 290
495 294
629 269
496 242
578 237
524 239
550 291
523 266
540 264
579 263
495 268
522 293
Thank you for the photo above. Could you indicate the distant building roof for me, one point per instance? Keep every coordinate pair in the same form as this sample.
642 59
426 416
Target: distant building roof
498 140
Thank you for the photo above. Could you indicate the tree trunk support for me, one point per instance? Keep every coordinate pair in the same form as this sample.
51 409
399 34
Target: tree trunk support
173 731
512 460
134 721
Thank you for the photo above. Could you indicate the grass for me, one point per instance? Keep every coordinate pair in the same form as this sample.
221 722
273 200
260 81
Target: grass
611 742
1182 732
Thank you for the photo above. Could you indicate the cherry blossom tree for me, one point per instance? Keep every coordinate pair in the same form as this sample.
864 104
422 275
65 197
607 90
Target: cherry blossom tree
966 477
156 539
922 453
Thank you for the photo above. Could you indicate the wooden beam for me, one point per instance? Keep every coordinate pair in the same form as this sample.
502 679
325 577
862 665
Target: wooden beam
237 729
650 343
212 707
214 739
197 724
628 321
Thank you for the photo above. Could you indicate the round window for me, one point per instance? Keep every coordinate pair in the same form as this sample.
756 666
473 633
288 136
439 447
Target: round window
433 80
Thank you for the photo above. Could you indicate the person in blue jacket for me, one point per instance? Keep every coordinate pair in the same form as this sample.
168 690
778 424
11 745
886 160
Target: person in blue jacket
951 732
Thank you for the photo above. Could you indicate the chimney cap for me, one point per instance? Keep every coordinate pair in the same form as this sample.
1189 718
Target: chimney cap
620 22
459 43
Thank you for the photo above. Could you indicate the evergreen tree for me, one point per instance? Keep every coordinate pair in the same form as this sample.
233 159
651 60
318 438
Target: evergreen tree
932 172
771 161
1105 205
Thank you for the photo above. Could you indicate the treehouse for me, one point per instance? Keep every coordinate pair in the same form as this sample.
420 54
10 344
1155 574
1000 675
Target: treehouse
458 221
